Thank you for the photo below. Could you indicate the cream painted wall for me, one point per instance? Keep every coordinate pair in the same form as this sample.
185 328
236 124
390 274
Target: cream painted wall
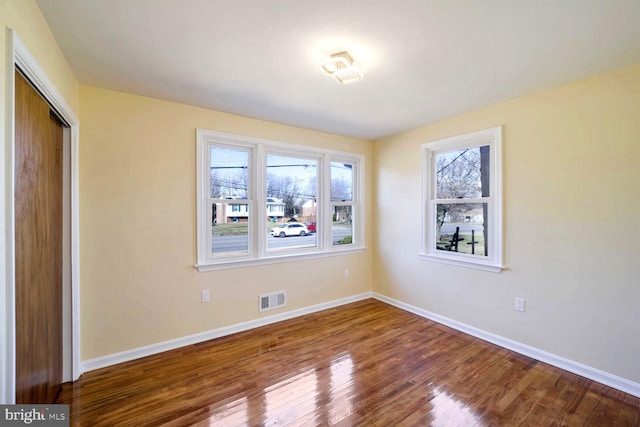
25 18
571 159
138 222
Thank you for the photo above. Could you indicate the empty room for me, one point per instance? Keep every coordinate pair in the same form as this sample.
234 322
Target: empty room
248 213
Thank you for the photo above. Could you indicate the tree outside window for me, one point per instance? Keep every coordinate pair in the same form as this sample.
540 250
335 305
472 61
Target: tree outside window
462 217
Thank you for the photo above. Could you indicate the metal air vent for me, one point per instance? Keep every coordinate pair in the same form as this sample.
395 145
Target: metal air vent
273 300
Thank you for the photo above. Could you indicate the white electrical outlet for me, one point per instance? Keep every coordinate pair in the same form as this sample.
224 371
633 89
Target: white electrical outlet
206 296
346 273
519 304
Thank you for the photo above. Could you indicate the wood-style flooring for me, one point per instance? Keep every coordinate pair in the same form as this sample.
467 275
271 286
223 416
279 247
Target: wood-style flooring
363 364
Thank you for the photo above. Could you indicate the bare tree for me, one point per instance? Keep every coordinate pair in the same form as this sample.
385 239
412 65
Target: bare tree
460 175
285 188
312 187
214 184
240 183
341 189
457 177
228 183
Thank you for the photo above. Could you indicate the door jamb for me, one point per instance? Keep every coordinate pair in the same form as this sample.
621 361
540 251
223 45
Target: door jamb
19 56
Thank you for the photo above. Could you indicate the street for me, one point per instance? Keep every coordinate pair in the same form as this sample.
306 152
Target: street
240 243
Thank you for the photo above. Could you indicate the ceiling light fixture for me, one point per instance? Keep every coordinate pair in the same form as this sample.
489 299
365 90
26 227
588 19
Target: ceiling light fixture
341 68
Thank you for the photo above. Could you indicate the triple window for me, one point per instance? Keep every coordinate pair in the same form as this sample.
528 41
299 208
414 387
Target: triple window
261 201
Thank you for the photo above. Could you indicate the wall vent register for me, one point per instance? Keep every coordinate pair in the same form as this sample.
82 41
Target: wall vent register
273 300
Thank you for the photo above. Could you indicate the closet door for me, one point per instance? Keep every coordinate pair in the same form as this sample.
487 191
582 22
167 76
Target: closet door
38 246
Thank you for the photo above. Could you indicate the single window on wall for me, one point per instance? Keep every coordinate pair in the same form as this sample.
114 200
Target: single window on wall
462 206
263 201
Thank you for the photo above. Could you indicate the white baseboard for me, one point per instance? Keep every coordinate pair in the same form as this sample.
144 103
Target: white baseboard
149 350
594 374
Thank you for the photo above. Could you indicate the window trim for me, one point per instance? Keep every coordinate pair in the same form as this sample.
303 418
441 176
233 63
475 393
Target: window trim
355 195
278 149
258 253
494 260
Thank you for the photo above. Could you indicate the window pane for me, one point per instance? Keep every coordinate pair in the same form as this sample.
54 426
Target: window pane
463 174
461 228
342 225
229 173
230 227
341 182
291 201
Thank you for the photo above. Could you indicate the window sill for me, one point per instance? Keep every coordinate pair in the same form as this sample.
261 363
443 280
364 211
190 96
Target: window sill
462 263
225 265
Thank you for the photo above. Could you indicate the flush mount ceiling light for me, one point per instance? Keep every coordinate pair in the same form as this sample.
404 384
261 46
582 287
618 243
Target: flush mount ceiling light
341 68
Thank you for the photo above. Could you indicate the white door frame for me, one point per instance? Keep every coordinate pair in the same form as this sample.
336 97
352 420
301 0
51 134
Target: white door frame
19 56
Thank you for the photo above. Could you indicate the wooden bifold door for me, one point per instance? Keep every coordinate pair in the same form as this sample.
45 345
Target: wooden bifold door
38 246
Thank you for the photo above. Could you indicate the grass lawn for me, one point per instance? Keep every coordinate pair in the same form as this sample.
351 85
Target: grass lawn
230 229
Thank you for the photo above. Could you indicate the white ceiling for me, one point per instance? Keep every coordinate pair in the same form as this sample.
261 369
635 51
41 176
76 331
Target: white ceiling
423 60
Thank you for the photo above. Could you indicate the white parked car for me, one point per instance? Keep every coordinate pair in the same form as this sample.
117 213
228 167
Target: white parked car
290 229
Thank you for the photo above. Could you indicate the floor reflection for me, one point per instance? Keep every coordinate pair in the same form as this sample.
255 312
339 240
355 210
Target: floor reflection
235 413
324 395
317 395
342 384
447 411
289 400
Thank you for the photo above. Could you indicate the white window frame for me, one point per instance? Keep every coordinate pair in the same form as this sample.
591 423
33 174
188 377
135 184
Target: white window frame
279 149
258 253
354 194
493 261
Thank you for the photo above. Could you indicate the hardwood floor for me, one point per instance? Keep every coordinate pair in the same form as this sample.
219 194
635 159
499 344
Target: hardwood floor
364 364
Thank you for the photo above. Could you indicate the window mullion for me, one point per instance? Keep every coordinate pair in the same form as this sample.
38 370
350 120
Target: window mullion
358 204
207 226
432 215
202 184
324 193
259 197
